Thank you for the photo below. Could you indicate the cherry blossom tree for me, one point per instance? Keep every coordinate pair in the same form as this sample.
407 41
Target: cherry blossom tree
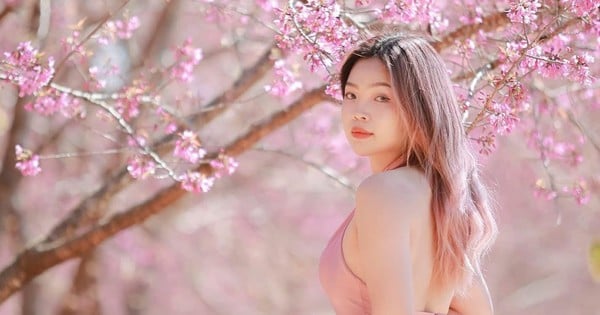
115 111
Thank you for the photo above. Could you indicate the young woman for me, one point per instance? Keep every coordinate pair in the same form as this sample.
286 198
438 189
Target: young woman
422 221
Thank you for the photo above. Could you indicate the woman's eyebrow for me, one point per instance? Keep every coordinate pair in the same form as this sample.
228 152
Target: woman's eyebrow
372 85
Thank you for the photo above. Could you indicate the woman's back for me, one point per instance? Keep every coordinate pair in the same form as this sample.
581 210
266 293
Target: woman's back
428 296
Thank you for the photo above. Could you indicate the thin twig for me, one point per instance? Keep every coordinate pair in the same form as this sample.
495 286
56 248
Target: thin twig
85 39
329 172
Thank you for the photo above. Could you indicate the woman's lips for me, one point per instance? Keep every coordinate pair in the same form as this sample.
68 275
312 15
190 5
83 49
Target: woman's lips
360 133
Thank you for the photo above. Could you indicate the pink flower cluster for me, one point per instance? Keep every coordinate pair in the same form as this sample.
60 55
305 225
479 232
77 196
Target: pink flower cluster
186 58
129 105
123 29
284 82
578 191
140 167
167 120
549 62
475 16
502 118
581 7
96 82
419 11
579 68
51 101
27 163
486 142
188 147
137 141
334 89
518 96
196 182
24 67
315 29
71 44
523 11
550 148
223 165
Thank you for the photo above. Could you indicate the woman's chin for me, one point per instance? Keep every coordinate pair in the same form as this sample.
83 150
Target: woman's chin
361 151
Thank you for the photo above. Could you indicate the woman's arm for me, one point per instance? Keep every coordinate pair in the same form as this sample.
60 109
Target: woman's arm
476 301
384 208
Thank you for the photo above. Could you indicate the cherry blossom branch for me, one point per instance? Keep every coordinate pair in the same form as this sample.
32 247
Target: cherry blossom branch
541 38
247 79
142 98
489 23
92 207
583 129
497 62
38 258
311 41
240 12
85 39
130 131
327 171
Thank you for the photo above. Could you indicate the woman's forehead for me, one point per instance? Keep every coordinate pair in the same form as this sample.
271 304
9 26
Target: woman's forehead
369 71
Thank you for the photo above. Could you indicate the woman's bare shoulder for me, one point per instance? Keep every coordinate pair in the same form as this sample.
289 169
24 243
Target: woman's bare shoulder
403 188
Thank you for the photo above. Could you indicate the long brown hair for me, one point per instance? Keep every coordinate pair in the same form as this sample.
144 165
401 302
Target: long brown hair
464 225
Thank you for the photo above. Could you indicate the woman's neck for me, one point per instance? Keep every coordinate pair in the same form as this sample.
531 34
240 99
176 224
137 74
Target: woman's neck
384 163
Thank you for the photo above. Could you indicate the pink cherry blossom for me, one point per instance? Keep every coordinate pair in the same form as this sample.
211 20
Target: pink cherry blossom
137 141
580 192
486 142
334 89
95 82
128 107
188 147
519 96
553 67
414 11
186 58
24 67
315 30
580 68
171 128
123 29
581 7
285 81
71 44
475 16
223 165
140 167
196 182
27 162
51 101
543 192
523 11
502 118
550 148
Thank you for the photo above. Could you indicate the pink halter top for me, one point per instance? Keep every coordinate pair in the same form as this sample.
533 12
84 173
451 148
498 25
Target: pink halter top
346 291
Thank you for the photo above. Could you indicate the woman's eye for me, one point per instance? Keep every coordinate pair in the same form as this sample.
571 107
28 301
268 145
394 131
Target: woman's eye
349 96
382 99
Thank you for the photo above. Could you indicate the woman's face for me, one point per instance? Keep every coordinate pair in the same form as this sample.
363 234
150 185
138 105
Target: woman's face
370 114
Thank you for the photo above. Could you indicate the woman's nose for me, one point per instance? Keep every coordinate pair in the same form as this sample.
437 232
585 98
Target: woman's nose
360 116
